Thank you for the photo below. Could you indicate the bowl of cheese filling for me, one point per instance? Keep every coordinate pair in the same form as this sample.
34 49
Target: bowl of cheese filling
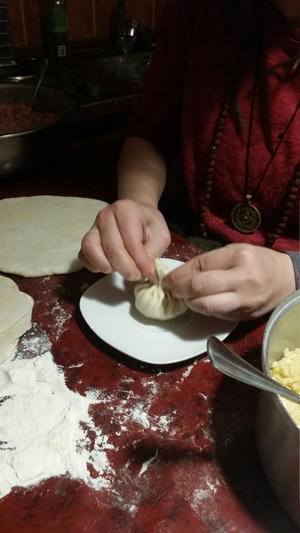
278 420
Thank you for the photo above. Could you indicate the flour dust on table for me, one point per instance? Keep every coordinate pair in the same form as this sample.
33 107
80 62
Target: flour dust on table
41 235
46 428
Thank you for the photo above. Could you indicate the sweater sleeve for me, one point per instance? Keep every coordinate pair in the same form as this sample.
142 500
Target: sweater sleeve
156 115
295 258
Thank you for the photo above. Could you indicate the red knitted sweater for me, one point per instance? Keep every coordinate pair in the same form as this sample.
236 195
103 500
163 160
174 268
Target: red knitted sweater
180 101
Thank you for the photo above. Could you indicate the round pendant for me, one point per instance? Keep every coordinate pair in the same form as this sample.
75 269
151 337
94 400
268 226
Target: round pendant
245 217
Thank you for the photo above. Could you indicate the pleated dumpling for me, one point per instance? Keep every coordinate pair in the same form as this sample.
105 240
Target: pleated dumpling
153 301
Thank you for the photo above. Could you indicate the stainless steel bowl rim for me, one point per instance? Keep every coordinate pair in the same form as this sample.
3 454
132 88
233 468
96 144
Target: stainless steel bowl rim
28 132
287 304
291 300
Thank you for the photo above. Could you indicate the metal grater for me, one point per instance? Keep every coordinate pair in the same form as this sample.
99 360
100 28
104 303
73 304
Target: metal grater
7 51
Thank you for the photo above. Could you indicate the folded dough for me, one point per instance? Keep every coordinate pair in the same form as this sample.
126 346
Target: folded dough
15 316
153 301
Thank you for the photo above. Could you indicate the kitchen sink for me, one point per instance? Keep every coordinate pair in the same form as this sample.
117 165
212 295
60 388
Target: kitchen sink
128 66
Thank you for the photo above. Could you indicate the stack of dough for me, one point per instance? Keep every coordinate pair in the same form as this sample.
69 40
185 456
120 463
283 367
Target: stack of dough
153 301
15 316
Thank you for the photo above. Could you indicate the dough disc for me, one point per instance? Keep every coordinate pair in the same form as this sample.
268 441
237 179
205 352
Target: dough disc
41 235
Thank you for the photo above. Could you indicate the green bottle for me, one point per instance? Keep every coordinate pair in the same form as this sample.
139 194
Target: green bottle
58 31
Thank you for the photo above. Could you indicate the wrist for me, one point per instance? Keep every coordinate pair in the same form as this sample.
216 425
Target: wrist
140 199
141 193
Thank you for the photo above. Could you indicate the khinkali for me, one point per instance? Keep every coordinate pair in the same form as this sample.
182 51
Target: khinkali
153 301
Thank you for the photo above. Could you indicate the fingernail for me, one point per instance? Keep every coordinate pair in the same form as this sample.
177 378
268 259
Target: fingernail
134 278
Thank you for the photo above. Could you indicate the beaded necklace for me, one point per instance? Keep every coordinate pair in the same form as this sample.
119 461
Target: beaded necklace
245 217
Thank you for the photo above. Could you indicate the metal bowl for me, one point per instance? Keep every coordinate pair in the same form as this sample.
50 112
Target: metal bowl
21 152
277 435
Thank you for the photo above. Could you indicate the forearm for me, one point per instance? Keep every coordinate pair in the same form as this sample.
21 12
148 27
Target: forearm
141 172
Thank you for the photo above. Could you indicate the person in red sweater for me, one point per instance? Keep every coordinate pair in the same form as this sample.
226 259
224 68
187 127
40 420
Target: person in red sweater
223 91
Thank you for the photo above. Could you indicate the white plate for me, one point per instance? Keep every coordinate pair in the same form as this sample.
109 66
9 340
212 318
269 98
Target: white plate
108 308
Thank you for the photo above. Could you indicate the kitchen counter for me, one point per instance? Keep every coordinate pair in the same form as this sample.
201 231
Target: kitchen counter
192 465
98 99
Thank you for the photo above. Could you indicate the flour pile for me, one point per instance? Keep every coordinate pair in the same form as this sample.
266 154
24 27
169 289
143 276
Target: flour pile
46 429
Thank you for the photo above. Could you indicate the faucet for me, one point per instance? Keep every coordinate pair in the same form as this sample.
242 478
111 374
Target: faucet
124 31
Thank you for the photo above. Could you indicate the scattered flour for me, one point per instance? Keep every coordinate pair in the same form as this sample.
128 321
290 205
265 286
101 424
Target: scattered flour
133 410
45 428
187 372
139 415
205 360
60 316
35 341
204 493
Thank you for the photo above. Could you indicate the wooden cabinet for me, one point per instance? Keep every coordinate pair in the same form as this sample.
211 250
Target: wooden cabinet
88 21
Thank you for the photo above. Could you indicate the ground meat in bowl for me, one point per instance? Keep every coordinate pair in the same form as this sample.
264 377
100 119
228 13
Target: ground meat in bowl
15 118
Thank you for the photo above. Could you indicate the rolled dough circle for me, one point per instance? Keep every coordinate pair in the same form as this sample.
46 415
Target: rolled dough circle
41 235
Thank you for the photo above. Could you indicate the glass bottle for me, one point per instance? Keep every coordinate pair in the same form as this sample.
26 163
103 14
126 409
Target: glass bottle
58 31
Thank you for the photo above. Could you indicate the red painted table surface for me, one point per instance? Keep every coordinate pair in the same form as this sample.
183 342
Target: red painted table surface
205 475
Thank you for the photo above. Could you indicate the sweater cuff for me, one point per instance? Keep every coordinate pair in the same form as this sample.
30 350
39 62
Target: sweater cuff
295 258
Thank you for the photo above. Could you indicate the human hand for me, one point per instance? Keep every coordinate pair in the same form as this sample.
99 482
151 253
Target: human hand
125 237
236 282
